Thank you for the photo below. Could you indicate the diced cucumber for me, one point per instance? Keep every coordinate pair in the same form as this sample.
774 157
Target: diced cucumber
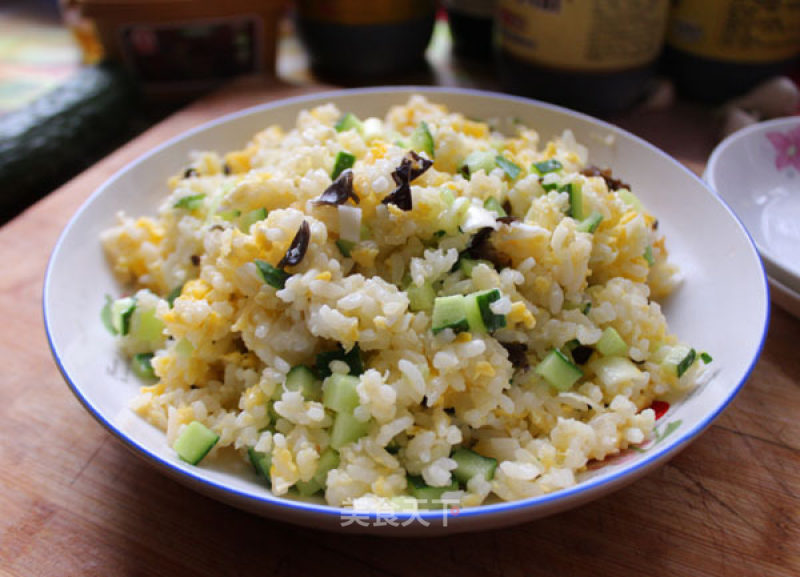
301 378
558 370
494 205
471 464
142 367
339 393
105 315
191 202
630 199
575 191
611 344
472 310
262 462
230 214
248 219
273 276
686 362
467 264
173 294
614 371
428 497
648 255
491 320
590 223
194 442
345 246
120 315
308 488
679 358
327 461
343 161
347 429
348 121
478 160
146 327
422 140
447 196
512 170
184 348
421 298
551 165
351 357
449 313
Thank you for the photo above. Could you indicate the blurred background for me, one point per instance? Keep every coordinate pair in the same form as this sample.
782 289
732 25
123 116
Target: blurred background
78 78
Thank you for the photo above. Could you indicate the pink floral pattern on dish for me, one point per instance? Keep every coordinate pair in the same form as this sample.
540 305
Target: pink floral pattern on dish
787 148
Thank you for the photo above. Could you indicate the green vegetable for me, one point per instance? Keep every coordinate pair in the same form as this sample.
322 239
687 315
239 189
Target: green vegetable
494 205
191 202
348 122
686 362
421 298
248 219
422 140
449 312
120 314
274 277
105 315
590 223
478 160
229 215
195 442
327 461
427 496
512 170
648 255
173 294
146 327
339 393
467 264
471 464
343 161
142 367
352 358
301 378
60 133
345 246
558 370
347 429
630 199
262 463
485 320
611 344
706 358
575 200
551 165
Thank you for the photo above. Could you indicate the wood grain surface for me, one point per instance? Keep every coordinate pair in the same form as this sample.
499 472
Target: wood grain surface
74 501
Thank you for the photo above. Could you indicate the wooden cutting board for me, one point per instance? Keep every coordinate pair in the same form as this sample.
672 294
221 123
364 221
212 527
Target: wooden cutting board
74 501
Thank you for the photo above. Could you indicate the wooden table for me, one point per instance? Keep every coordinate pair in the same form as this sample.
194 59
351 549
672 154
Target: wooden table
74 501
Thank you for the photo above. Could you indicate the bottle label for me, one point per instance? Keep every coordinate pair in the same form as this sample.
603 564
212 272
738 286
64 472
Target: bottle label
581 35
193 54
365 12
736 30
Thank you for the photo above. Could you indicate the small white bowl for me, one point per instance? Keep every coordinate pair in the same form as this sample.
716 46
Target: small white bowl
756 170
721 307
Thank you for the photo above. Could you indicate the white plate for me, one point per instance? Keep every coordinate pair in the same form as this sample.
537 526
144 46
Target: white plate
757 171
721 307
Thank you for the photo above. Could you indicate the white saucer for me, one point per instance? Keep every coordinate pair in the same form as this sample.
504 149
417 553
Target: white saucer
757 172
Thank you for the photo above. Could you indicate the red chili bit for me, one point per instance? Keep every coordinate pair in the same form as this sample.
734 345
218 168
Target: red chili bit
660 408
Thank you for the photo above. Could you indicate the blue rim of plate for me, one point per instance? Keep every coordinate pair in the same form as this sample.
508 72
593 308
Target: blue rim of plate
610 482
